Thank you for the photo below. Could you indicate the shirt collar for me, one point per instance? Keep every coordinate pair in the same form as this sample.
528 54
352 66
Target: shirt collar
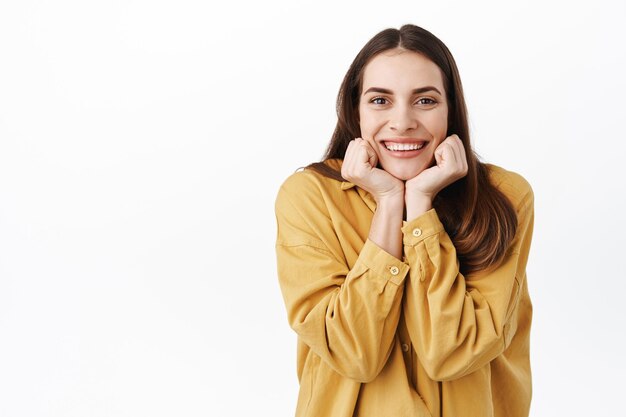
346 185
367 197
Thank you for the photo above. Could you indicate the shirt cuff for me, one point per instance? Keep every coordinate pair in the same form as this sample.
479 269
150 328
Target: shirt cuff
421 227
382 263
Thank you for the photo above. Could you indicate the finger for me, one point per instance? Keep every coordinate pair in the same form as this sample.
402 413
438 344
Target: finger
460 153
348 160
365 153
444 154
347 155
463 155
461 167
439 153
456 147
354 160
371 150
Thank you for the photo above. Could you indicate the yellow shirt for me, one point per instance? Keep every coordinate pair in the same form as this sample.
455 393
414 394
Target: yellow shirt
383 337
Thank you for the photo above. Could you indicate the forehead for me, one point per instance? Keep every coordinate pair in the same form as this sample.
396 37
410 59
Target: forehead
401 69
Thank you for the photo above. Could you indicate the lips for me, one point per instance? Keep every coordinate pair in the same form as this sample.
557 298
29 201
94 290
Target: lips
401 145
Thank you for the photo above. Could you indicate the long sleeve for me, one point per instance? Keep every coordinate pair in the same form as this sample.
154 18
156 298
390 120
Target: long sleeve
346 314
458 324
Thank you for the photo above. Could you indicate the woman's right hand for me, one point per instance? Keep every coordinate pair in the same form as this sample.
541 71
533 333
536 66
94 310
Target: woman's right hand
359 167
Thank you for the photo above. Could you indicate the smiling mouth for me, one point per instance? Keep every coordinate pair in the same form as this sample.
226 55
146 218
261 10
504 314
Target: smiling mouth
404 147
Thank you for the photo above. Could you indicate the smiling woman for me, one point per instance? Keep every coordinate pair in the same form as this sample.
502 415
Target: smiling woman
403 124
402 257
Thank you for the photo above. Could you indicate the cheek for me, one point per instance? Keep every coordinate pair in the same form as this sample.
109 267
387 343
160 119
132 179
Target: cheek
439 126
367 123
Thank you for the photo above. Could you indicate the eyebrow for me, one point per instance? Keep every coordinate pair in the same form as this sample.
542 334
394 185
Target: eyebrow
415 91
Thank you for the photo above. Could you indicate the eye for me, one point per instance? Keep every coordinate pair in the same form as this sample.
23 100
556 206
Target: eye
379 100
426 101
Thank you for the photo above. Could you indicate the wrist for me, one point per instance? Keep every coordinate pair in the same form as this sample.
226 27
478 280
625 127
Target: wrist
417 204
391 201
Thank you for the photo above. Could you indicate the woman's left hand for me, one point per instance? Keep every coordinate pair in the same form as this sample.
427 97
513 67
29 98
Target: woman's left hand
451 165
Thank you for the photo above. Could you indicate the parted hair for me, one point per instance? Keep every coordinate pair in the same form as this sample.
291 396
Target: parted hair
479 219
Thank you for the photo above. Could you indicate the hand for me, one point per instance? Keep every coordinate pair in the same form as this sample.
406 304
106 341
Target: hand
359 167
451 165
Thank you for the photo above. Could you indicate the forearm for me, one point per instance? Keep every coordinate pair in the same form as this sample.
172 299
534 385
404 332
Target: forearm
345 310
457 323
385 230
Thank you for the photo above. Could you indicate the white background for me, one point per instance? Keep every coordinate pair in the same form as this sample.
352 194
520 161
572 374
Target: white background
142 144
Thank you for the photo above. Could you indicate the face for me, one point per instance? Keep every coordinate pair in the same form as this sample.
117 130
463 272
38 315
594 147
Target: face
403 111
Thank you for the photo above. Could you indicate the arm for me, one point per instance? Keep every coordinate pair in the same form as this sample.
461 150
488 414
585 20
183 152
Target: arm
360 167
385 230
456 323
347 316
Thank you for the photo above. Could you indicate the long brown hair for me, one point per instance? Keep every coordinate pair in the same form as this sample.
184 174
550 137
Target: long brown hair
480 228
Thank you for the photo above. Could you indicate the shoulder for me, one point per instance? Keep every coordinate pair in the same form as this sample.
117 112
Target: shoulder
309 189
308 182
304 209
512 184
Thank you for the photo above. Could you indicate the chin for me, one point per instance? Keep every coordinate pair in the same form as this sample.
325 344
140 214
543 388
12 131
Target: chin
404 174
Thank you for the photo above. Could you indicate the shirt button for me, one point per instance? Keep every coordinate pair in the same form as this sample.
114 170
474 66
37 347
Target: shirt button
394 270
405 347
417 232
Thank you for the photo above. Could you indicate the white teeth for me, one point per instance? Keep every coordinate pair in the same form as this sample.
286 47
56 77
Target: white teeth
404 146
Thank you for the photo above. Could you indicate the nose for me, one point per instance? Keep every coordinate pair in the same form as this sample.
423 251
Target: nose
403 119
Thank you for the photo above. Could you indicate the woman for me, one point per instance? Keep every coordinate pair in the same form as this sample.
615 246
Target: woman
401 257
